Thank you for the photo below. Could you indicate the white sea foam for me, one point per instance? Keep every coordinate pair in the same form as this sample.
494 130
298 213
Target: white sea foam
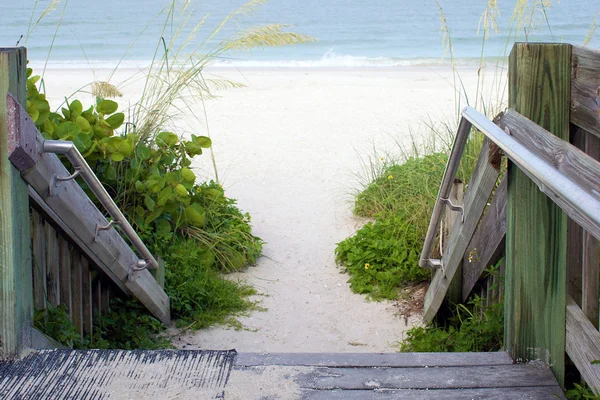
328 60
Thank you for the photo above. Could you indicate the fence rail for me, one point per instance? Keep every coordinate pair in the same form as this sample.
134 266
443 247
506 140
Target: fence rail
552 255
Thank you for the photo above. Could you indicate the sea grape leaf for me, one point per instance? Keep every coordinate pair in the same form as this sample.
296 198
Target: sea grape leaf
115 120
107 106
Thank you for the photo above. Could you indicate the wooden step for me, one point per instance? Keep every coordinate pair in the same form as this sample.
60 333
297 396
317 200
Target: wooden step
205 374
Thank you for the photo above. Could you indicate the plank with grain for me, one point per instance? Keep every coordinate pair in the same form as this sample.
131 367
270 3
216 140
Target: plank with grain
585 89
563 156
583 344
480 187
75 210
536 228
487 245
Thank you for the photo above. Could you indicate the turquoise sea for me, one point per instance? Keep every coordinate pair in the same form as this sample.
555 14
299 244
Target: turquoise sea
350 32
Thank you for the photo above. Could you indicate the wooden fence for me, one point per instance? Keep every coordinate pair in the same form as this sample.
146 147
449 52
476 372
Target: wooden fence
54 249
551 264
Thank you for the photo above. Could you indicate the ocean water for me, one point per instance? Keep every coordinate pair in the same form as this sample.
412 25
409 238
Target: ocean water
349 32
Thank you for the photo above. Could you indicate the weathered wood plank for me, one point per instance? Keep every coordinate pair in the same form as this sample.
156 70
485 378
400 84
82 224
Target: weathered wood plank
536 228
105 298
558 152
591 251
583 344
575 235
86 289
96 297
350 360
510 376
480 187
44 209
39 261
52 266
530 393
65 273
585 89
75 210
76 291
457 196
487 245
16 298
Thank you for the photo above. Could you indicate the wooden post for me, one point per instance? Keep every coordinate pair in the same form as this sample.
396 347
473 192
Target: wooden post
16 298
536 229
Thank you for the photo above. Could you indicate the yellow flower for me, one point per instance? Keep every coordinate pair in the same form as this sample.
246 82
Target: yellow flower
367 266
390 177
381 158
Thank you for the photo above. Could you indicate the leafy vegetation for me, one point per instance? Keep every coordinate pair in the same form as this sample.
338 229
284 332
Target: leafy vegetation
56 323
147 168
473 327
581 391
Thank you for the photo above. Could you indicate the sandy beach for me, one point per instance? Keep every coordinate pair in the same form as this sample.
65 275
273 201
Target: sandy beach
289 147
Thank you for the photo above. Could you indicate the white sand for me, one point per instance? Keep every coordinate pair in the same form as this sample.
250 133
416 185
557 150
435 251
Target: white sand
288 147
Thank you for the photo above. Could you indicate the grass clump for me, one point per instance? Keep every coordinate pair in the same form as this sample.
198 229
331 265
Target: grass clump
473 327
384 254
200 296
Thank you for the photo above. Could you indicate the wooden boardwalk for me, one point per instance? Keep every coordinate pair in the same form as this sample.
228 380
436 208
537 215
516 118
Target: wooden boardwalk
168 374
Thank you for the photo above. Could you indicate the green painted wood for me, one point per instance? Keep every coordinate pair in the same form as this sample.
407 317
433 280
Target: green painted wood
16 298
536 229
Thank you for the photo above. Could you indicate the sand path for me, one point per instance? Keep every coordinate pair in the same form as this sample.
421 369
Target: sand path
289 145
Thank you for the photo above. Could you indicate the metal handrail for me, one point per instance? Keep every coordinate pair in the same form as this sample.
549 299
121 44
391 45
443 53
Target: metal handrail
83 169
568 195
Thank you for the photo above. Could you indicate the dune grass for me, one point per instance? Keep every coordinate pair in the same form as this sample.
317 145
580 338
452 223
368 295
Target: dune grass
399 190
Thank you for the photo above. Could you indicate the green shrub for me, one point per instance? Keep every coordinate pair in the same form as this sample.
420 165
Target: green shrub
127 326
56 323
199 295
473 327
581 391
383 255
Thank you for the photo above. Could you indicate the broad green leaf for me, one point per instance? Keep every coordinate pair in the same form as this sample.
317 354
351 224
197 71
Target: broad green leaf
165 195
67 131
83 124
173 177
202 141
117 156
181 191
115 120
100 132
188 175
192 149
195 215
143 152
107 107
75 109
132 174
140 187
168 139
32 111
163 228
66 113
149 203
114 143
110 174
82 141
125 147
153 215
